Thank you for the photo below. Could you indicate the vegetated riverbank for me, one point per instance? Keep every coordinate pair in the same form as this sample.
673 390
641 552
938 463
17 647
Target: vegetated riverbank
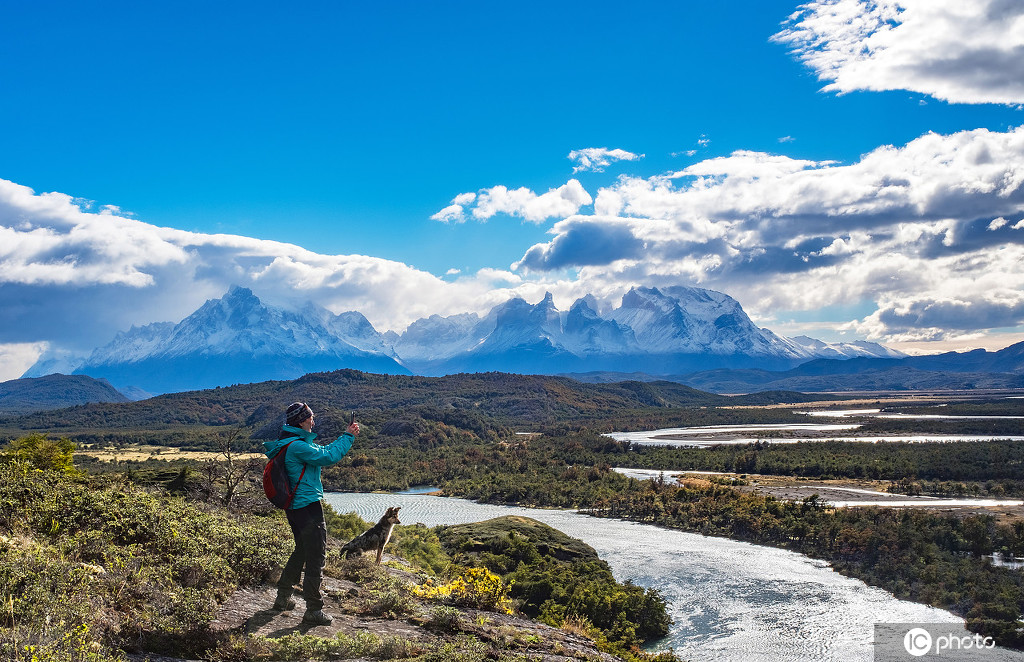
933 558
727 598
936 559
96 568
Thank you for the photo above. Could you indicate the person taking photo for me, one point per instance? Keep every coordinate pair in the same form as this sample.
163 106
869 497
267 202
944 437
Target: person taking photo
304 460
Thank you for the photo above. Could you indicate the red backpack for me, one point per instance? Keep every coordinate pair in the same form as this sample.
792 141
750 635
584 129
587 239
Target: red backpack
275 479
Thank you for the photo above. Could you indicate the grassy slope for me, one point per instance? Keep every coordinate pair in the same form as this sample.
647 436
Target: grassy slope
94 567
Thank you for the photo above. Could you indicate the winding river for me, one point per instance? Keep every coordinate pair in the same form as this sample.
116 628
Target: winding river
712 435
729 600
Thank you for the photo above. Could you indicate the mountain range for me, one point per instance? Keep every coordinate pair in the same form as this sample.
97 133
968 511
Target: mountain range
240 339
652 331
977 369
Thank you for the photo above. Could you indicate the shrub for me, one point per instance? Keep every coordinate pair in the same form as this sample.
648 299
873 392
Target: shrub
421 547
472 587
446 617
42 452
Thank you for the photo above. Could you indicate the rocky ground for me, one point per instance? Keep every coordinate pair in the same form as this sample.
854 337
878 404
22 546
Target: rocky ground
368 599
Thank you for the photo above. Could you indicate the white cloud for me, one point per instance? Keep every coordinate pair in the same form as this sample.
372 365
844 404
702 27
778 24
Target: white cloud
596 159
560 202
16 358
455 212
450 214
902 225
955 50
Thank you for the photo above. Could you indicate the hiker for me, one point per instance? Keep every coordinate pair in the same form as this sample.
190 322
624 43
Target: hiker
306 514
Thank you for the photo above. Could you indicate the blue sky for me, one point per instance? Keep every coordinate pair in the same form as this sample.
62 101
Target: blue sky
343 129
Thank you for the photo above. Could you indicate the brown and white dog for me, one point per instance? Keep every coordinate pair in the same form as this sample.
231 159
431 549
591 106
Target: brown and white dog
374 538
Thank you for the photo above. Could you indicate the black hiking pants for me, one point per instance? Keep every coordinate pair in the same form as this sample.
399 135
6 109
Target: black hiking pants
310 533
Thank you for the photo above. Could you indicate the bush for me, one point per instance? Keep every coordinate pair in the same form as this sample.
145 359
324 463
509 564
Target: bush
446 617
42 452
478 588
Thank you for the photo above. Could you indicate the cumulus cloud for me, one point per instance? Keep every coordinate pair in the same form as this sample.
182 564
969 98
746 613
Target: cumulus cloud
450 214
957 51
455 212
596 159
559 202
588 240
903 224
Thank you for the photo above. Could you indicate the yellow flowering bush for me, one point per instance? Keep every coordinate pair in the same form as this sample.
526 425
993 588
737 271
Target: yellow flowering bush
472 587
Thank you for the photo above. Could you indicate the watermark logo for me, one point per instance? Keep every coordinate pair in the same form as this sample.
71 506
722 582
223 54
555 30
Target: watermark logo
917 641
939 641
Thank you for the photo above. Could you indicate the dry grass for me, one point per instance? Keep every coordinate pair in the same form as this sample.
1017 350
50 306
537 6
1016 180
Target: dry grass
143 453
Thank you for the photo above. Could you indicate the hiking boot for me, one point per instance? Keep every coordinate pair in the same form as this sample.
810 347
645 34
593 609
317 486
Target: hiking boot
316 617
284 602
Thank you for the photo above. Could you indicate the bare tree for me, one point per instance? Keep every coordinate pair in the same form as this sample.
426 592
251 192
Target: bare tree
232 475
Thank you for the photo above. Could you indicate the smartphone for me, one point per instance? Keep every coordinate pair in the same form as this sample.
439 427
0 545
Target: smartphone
351 418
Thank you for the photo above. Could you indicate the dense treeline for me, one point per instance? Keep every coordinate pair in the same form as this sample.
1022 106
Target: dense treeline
524 401
960 461
446 453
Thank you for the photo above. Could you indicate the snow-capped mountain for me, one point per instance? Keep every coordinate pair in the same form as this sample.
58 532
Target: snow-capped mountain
690 320
845 350
436 338
238 339
666 331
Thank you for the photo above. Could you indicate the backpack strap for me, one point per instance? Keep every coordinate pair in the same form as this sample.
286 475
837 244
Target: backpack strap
301 473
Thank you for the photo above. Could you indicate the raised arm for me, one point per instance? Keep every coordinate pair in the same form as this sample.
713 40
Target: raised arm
323 455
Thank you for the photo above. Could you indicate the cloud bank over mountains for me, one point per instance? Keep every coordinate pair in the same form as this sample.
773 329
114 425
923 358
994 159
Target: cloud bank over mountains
931 233
956 51
70 276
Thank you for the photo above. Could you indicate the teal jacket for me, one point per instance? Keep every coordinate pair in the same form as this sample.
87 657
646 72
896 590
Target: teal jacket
314 456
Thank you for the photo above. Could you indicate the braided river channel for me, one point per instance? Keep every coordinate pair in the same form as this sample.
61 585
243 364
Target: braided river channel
728 600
